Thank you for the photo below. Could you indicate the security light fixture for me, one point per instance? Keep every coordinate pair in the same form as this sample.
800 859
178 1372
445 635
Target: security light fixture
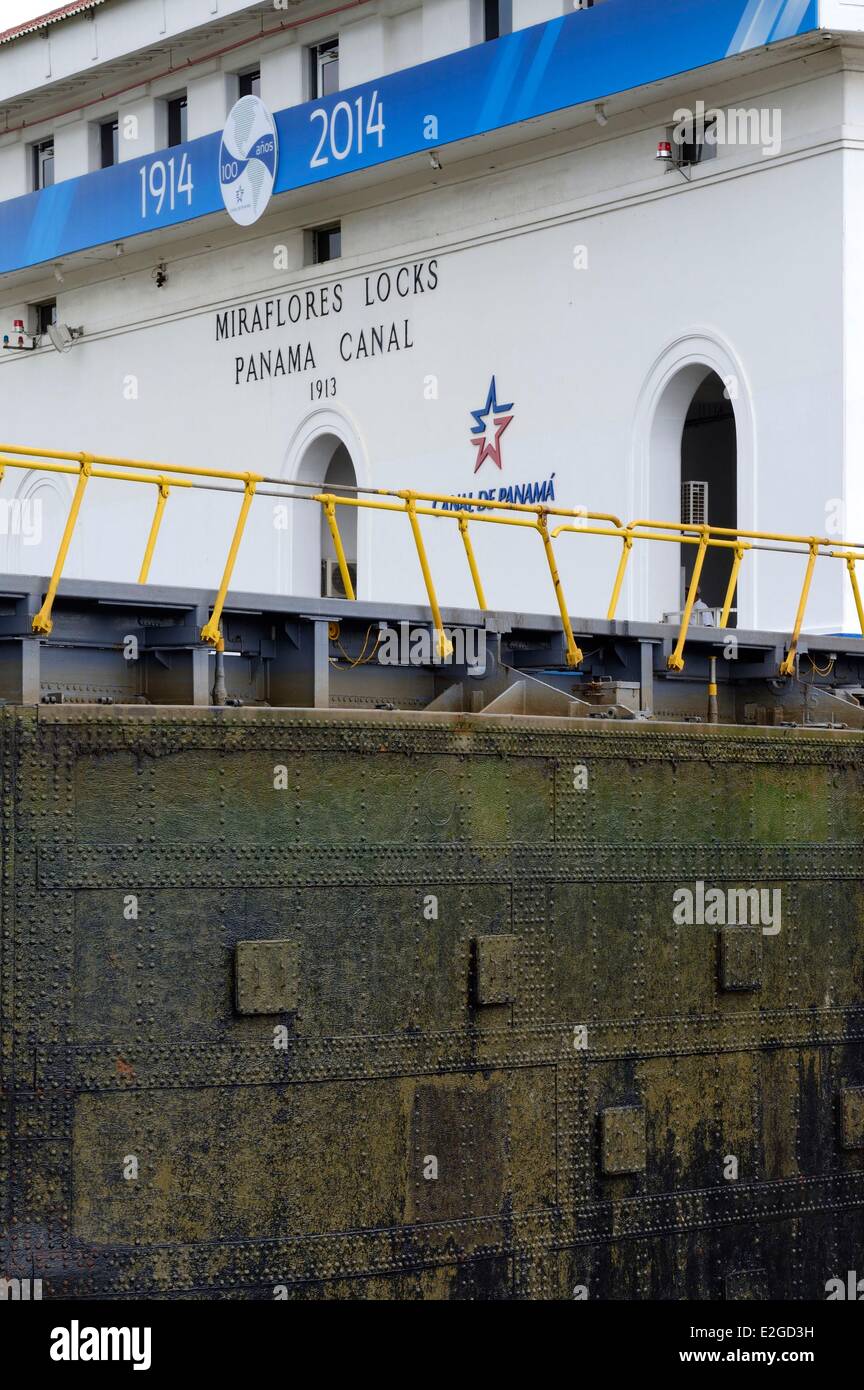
18 335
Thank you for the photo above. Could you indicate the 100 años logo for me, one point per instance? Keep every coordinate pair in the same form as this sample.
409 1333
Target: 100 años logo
247 160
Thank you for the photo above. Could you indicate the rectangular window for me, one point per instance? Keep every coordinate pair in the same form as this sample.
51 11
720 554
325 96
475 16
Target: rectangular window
177 120
324 244
497 18
44 315
43 164
249 83
324 69
108 143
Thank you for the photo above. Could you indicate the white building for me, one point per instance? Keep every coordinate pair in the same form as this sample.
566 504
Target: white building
464 229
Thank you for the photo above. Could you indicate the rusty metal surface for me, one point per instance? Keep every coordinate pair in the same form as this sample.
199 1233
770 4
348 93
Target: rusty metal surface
496 1066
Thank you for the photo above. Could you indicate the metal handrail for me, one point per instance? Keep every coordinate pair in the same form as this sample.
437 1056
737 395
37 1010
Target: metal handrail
414 505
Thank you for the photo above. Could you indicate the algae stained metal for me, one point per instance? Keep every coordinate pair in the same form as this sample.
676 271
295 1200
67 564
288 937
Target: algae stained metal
396 1006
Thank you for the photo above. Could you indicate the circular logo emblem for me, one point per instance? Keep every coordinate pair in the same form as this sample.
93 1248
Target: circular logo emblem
247 160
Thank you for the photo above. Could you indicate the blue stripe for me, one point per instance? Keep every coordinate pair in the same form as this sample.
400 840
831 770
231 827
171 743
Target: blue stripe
584 57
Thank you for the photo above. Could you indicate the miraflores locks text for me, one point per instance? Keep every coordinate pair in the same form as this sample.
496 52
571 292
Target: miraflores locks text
303 309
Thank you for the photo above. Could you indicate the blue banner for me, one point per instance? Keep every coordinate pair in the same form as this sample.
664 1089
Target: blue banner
584 57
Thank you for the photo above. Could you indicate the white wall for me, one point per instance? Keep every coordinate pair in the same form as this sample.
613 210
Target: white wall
571 349
282 77
76 148
208 101
743 265
14 168
527 12
141 126
446 27
852 492
845 15
362 50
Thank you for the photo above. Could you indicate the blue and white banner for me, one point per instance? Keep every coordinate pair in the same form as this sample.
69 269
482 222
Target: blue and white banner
584 57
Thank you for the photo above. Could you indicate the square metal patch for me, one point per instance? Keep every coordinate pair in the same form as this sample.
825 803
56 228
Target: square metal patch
746 1285
496 969
852 1117
622 1139
266 976
741 958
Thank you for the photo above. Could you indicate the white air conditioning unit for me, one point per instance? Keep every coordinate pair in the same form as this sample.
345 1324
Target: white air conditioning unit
331 579
694 504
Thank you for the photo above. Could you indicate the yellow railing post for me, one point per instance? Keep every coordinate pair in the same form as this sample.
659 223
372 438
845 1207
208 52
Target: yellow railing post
853 577
329 503
472 563
733 585
787 667
161 499
574 655
619 577
443 644
210 632
42 621
676 660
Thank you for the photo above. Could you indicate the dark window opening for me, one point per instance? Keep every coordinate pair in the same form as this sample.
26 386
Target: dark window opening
43 164
340 479
108 144
177 125
709 486
45 314
326 243
497 18
324 69
249 83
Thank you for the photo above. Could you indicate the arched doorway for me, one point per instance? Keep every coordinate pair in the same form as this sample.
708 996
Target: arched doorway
325 455
709 485
340 479
694 422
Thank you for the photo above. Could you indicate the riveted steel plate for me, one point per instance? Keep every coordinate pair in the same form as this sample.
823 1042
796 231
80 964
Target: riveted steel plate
852 1117
741 958
266 977
622 1139
467 954
747 1285
496 969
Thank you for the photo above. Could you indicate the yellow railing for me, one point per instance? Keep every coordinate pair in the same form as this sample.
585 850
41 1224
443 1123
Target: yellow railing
414 505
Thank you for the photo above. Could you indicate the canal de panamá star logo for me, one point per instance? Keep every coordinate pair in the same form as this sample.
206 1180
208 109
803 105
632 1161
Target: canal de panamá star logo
495 418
